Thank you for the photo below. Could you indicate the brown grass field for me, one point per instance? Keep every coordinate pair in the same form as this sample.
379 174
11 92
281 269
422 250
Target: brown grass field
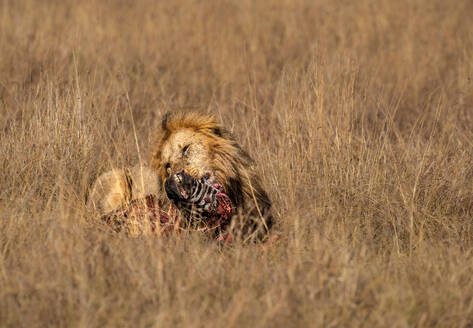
360 114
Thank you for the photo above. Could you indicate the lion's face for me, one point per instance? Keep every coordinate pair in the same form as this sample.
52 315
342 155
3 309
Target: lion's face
186 150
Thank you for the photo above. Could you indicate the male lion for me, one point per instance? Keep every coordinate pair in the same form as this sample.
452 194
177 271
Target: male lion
196 144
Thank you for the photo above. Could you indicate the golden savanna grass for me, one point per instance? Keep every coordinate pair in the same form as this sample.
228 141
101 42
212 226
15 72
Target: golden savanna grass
360 114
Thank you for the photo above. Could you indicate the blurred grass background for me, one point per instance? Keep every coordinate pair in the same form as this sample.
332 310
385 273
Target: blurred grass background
359 113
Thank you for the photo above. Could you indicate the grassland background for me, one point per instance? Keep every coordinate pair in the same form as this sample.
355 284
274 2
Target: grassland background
359 112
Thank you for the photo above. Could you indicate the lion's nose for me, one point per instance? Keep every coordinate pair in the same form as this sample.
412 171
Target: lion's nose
168 168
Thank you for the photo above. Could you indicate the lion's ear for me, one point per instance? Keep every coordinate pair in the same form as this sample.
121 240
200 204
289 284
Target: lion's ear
165 120
218 131
221 132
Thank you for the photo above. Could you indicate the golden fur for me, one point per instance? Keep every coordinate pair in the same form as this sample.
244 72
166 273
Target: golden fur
118 187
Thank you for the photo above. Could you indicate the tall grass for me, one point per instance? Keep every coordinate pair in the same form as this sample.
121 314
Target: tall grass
359 113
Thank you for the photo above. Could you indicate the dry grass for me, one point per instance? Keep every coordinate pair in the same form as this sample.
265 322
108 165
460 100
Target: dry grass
361 116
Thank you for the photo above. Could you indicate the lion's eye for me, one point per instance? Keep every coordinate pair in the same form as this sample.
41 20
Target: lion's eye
185 149
168 167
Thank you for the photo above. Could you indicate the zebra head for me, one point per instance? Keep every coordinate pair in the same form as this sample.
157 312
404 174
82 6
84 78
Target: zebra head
195 198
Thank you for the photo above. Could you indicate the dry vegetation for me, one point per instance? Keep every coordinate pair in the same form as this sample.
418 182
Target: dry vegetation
360 113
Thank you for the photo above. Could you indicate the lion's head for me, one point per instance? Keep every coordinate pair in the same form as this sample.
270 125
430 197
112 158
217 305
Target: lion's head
197 144
184 144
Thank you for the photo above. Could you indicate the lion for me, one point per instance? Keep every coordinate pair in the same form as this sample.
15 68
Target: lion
197 144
